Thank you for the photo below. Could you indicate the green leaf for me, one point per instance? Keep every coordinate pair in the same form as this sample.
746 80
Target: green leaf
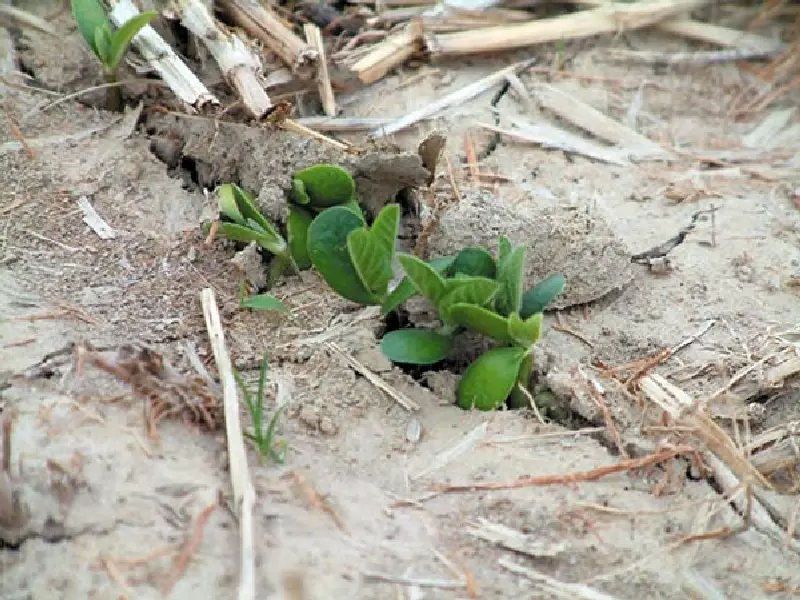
481 320
241 233
510 276
374 266
466 290
297 225
416 346
327 185
263 302
525 333
519 399
405 289
536 299
504 247
124 36
228 207
327 248
475 262
488 381
102 43
298 194
89 17
384 229
248 210
423 277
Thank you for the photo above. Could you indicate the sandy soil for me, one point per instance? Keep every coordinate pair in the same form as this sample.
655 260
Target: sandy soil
109 507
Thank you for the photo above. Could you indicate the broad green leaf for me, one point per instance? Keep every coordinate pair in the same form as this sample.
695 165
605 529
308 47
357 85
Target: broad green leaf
327 185
504 247
228 207
525 333
373 265
263 302
297 225
488 381
102 44
481 320
384 228
327 248
466 290
405 289
123 37
518 398
423 277
510 276
89 17
476 262
416 346
242 233
536 299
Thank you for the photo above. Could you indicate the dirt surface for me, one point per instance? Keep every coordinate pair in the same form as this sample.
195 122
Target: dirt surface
107 507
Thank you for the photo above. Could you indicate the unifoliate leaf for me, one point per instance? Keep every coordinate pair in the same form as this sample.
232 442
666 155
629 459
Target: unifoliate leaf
475 262
504 247
297 225
228 207
466 290
520 395
327 248
423 277
372 263
481 320
510 276
298 194
405 289
536 299
102 44
89 17
525 332
263 302
488 381
384 228
327 185
123 37
242 233
416 346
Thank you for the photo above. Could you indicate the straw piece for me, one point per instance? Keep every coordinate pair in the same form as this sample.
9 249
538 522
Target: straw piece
314 39
390 53
243 492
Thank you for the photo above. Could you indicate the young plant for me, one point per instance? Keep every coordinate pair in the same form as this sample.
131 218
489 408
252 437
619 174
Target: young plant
355 260
262 438
244 223
108 45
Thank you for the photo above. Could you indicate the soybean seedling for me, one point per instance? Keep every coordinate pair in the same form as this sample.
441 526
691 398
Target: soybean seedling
263 439
108 45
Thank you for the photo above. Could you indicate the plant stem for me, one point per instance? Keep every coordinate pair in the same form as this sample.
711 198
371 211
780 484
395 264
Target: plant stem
113 94
518 399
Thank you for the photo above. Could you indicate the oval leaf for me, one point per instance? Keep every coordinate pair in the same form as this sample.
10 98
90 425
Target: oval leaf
466 290
89 16
416 346
525 332
488 381
327 185
263 302
476 262
373 265
297 225
536 299
405 289
327 248
384 228
481 320
123 37
510 276
423 277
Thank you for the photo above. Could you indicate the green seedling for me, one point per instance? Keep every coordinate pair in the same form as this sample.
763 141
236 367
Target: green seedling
244 223
475 291
322 186
262 438
355 260
263 302
108 45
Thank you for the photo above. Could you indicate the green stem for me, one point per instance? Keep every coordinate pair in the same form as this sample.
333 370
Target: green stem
518 398
113 94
